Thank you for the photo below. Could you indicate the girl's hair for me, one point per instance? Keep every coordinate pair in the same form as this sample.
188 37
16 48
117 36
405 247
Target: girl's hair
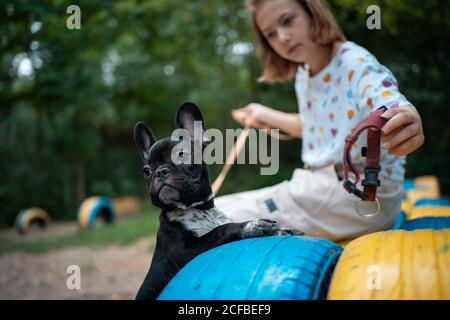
324 30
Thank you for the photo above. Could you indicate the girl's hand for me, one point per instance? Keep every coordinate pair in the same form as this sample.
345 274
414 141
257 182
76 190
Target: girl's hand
403 133
253 115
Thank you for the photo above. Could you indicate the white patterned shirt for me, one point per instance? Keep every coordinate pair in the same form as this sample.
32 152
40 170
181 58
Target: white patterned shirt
340 96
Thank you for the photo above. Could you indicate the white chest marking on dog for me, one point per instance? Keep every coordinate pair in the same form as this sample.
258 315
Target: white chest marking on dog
199 222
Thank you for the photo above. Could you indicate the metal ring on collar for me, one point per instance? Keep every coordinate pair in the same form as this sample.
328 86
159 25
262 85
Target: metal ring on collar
371 214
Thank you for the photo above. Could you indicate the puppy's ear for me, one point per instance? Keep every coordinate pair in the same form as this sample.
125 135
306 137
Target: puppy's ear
144 139
189 117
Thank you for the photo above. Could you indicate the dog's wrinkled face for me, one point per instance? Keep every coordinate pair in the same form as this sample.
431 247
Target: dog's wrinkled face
174 183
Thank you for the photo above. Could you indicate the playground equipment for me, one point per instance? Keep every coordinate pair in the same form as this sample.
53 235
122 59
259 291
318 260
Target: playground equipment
32 215
278 267
412 261
428 210
394 265
126 205
420 188
435 223
423 206
93 207
428 183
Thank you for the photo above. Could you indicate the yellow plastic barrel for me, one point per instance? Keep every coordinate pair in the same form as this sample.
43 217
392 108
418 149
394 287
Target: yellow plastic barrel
126 205
429 211
427 182
394 265
413 195
406 207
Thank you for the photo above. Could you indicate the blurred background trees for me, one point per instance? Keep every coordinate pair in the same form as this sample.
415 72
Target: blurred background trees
69 99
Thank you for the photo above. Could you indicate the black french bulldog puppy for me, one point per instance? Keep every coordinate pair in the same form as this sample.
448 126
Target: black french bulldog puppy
189 222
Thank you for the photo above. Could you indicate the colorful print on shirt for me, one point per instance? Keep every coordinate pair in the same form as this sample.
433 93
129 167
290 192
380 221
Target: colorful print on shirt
340 96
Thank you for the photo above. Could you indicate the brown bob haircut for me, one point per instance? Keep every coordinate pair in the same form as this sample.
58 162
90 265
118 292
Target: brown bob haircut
324 30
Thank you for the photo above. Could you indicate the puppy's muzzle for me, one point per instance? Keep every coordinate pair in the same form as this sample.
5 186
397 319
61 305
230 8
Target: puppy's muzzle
169 195
162 173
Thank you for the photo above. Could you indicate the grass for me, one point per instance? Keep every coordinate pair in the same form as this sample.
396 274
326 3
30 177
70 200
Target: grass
123 232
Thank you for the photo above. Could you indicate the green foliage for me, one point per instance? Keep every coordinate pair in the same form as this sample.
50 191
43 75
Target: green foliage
66 125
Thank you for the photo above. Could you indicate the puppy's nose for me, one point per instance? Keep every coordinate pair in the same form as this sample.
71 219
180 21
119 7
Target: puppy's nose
162 173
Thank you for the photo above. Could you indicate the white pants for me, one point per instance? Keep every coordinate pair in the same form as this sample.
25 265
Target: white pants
315 202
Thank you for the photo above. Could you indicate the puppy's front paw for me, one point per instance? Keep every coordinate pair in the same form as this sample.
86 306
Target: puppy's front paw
260 228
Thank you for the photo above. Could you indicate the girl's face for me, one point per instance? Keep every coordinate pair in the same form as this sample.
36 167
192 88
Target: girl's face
286 26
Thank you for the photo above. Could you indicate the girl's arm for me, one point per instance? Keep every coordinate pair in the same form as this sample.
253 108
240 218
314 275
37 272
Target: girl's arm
376 86
259 116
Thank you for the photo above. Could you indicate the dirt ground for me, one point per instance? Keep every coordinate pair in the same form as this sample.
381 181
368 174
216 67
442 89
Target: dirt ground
111 272
53 230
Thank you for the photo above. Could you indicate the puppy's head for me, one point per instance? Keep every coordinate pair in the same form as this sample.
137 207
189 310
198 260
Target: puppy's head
174 170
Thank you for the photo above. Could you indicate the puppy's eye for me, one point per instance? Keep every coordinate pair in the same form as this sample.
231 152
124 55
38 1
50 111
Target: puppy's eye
147 172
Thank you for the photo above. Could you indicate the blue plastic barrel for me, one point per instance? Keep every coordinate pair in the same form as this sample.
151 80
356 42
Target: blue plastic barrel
276 268
435 223
442 201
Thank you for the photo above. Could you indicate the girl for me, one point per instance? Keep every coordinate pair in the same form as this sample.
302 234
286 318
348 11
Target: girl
338 83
